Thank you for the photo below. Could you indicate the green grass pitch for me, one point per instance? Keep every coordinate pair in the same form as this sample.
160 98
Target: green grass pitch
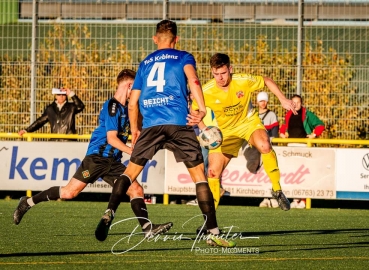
60 235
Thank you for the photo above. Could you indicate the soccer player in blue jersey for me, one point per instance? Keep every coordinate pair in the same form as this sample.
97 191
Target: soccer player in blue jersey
103 157
160 94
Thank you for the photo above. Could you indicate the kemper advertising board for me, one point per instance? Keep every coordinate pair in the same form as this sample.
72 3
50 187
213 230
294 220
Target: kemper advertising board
305 173
39 165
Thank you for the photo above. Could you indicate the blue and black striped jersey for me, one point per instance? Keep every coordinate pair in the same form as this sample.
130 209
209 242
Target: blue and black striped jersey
113 116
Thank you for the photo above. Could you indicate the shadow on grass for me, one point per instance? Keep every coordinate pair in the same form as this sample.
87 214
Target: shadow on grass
64 253
192 236
268 248
304 232
313 247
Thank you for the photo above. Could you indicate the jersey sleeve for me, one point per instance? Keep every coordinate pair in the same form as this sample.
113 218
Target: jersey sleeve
112 116
188 59
256 83
209 119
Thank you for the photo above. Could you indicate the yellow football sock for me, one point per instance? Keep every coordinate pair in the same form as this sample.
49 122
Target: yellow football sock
271 168
214 185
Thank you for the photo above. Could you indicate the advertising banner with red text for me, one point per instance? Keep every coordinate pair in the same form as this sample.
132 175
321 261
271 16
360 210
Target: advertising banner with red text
305 173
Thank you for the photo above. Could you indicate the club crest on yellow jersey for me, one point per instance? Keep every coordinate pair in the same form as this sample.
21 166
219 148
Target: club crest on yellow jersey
240 94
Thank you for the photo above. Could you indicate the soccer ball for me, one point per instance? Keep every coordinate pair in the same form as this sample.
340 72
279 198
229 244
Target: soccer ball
210 137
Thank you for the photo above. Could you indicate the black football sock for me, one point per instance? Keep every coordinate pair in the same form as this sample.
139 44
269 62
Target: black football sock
206 203
50 194
120 188
138 206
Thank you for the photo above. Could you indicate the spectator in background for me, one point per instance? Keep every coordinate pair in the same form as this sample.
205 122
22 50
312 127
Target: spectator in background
270 122
268 117
304 124
60 114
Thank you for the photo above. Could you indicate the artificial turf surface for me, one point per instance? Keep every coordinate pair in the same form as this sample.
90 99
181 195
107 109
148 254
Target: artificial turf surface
60 235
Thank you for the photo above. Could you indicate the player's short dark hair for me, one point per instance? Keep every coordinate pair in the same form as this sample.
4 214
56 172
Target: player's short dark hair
126 74
219 59
167 27
297 96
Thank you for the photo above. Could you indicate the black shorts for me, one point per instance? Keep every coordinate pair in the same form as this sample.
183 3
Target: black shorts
94 167
181 140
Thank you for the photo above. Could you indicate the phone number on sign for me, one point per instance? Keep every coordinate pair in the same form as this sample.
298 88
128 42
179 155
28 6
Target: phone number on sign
310 193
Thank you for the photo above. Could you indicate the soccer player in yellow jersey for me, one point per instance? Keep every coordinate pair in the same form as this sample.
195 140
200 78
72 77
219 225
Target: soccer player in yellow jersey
228 95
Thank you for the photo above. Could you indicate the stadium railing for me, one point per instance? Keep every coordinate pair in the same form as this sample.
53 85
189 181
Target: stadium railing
309 142
30 136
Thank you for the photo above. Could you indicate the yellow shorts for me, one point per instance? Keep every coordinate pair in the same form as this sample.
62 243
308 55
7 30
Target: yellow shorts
234 138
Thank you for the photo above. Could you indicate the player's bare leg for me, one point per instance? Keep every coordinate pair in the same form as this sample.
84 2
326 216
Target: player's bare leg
70 191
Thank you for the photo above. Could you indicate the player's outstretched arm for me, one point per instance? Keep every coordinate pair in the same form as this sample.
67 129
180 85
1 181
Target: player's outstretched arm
195 87
273 87
113 140
194 84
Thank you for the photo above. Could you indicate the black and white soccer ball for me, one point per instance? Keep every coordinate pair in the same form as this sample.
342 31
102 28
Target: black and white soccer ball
210 137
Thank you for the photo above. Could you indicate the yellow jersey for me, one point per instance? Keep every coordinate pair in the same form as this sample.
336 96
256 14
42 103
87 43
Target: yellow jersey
209 119
234 113
232 107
